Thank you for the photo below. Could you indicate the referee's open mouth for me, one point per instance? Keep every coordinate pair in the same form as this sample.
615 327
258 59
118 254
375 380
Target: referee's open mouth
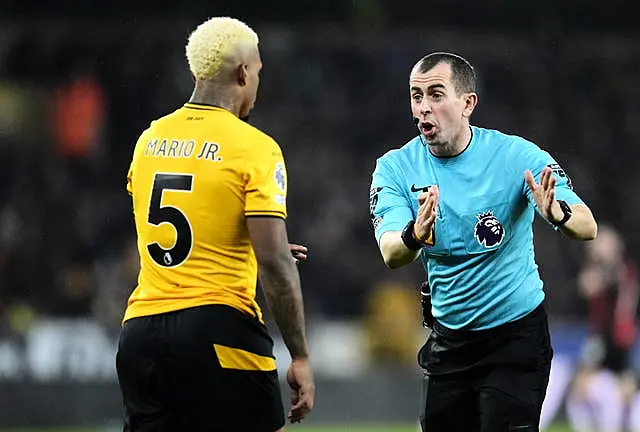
428 129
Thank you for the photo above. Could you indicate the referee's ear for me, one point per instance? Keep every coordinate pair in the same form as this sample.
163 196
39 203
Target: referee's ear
470 102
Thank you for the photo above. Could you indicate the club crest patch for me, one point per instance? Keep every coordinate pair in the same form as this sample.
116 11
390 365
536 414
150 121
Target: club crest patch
280 178
488 231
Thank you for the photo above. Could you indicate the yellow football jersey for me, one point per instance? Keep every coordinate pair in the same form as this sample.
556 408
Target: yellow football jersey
196 174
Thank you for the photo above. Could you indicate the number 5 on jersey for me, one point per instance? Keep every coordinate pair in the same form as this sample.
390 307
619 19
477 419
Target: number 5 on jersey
159 214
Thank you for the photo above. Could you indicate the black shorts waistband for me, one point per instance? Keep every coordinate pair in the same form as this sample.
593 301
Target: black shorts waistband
532 317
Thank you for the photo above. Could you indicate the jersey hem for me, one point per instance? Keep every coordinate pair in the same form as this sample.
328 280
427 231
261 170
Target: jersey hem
138 312
265 213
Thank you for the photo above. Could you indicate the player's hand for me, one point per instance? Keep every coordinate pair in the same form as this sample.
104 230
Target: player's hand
544 194
300 380
298 252
428 204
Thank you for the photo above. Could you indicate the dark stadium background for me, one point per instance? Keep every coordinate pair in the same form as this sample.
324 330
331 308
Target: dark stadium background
79 80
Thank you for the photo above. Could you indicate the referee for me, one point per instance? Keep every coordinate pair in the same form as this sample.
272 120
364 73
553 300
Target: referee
463 199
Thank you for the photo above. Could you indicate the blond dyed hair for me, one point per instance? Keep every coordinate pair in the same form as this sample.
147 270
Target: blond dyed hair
212 41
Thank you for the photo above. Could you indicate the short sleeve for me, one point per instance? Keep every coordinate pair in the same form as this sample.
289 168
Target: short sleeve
389 208
266 181
536 159
533 158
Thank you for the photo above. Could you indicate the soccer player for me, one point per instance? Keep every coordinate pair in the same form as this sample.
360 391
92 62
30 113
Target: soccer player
209 200
605 382
462 198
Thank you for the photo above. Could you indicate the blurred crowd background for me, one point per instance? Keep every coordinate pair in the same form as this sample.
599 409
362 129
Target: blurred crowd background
79 82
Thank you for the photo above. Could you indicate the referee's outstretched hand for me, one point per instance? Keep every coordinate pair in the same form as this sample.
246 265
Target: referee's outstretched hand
428 204
544 193
300 380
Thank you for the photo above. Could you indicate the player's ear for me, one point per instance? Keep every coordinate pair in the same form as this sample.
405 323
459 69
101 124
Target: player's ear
470 102
242 73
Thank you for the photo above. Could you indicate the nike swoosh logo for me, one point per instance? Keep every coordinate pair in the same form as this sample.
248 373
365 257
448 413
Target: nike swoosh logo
419 189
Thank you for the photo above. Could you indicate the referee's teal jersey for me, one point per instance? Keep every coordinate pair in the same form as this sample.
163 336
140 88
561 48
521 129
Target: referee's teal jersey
481 269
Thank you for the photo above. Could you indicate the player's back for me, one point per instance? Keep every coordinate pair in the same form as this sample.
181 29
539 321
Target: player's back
196 174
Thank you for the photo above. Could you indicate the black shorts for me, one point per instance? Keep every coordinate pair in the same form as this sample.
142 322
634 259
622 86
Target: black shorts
208 368
491 380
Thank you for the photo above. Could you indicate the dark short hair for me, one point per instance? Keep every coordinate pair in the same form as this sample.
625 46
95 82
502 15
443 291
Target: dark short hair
463 75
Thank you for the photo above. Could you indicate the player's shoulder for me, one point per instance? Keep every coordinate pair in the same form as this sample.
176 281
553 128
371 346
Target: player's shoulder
259 146
146 134
160 122
258 136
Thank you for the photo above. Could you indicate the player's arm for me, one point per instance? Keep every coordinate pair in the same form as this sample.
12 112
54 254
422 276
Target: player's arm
549 188
265 213
280 280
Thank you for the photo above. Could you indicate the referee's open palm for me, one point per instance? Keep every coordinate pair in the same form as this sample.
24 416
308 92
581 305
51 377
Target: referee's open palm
544 193
428 204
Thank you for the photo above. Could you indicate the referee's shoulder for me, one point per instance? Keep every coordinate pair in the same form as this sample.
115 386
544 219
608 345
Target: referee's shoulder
506 140
397 153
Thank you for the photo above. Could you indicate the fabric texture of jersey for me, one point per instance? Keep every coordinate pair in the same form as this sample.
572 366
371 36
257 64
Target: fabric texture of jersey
195 176
481 269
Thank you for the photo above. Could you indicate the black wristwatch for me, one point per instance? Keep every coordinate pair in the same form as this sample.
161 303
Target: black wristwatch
566 211
408 239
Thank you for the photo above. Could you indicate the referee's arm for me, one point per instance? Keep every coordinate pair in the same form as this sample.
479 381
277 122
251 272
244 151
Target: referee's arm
394 252
578 223
401 234
580 226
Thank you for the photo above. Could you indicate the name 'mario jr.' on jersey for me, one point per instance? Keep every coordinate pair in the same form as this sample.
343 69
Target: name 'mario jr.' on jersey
173 148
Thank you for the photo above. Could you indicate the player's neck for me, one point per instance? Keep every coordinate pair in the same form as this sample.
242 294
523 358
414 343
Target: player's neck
454 147
211 94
